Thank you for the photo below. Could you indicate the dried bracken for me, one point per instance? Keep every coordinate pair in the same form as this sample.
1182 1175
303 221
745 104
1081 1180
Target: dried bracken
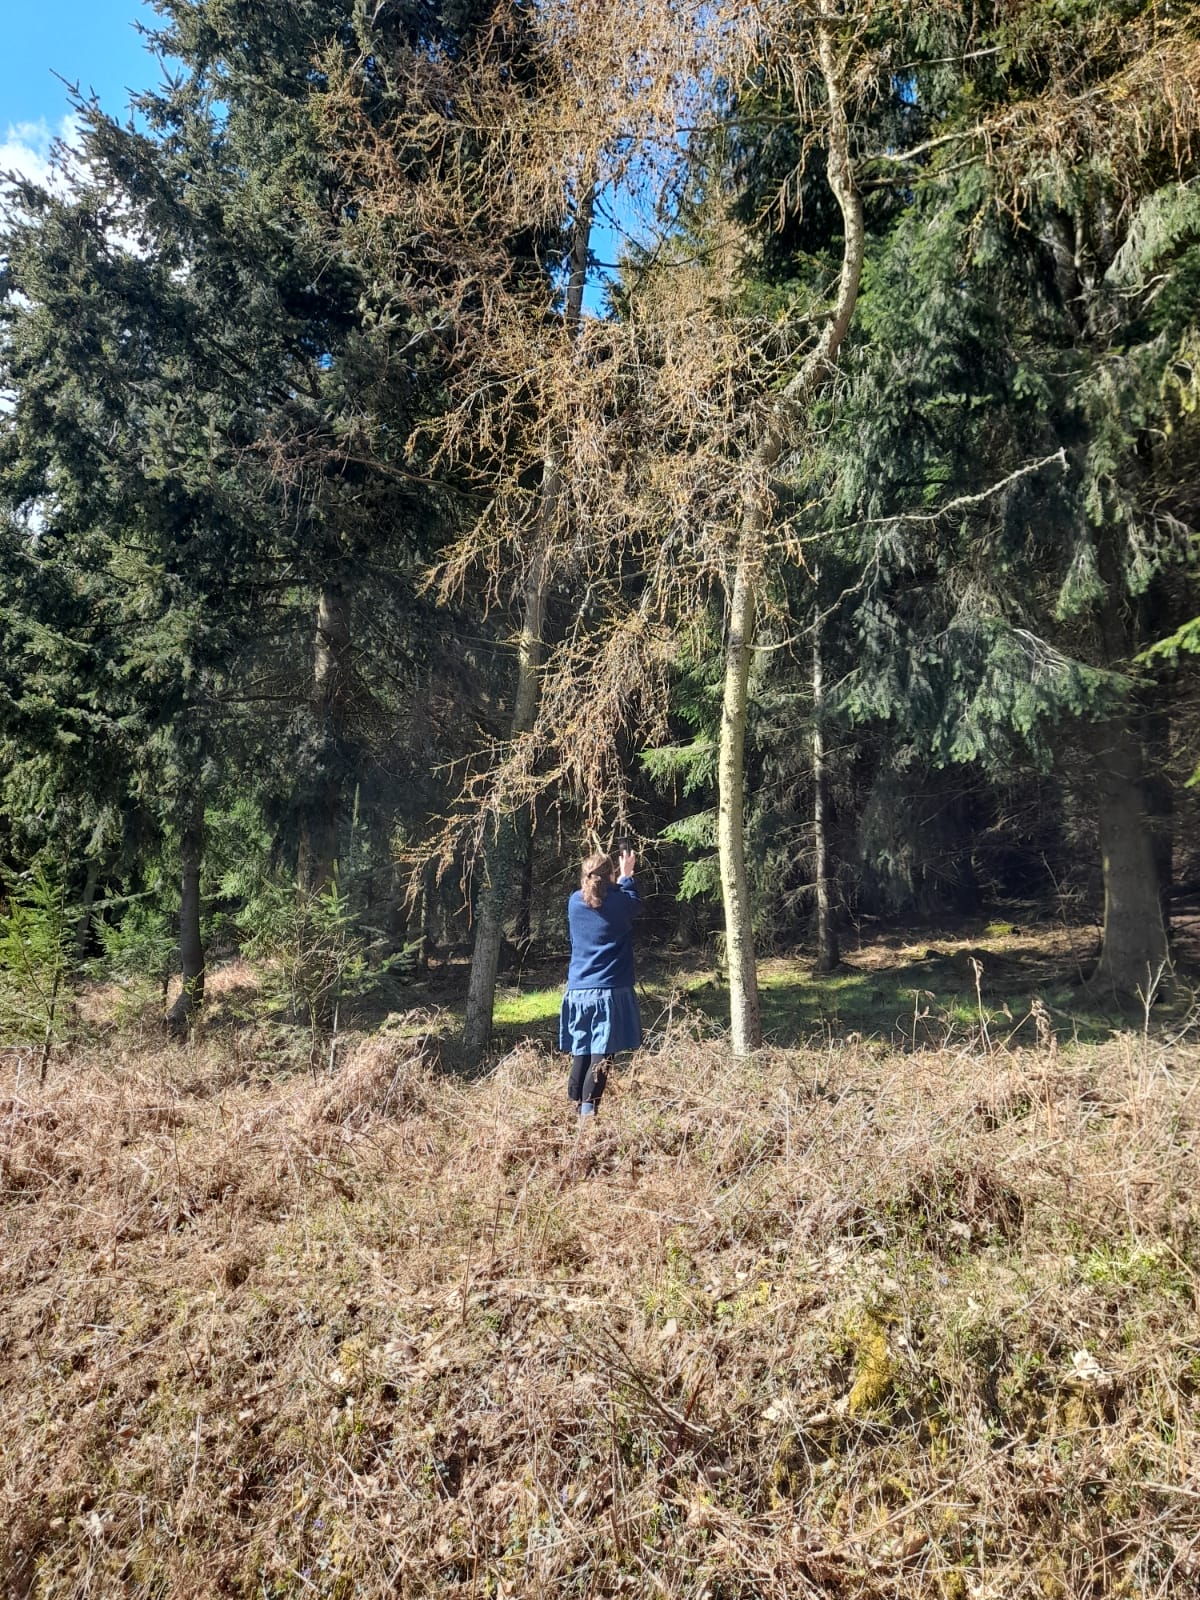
837 1322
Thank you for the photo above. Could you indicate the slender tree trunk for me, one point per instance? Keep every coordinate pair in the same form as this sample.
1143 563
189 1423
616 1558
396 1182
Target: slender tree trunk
506 855
191 946
83 925
523 922
813 375
330 682
828 954
510 847
744 1011
1134 950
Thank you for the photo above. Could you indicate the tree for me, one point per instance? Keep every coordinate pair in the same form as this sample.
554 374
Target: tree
232 463
347 373
126 518
538 128
1018 353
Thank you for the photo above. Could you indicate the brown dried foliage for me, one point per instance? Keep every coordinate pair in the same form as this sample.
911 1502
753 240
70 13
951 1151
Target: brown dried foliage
654 422
650 421
834 1322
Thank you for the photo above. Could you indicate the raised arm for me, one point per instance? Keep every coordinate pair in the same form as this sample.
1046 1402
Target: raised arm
626 862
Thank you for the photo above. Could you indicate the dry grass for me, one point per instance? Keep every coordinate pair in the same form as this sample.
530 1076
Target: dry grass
833 1323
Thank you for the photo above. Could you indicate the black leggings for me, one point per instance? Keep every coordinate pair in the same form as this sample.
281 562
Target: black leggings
589 1074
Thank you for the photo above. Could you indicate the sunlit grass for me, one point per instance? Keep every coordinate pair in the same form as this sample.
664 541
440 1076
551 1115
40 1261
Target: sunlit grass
929 997
925 993
514 1009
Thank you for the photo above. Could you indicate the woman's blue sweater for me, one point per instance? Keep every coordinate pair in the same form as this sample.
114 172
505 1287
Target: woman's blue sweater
601 938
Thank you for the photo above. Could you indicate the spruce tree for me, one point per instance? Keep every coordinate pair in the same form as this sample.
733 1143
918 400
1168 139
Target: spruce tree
1008 462
206 462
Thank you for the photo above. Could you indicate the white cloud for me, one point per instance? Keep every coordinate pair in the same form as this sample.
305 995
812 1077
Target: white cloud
26 147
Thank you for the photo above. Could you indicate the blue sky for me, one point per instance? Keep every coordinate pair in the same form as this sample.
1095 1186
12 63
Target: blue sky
92 42
95 43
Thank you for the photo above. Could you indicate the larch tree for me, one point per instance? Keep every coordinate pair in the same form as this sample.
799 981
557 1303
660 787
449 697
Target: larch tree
652 437
482 182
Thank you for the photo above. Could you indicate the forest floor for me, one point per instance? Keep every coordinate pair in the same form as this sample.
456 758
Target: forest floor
926 989
887 1314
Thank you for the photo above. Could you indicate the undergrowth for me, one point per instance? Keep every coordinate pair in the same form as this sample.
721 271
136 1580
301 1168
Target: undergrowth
834 1322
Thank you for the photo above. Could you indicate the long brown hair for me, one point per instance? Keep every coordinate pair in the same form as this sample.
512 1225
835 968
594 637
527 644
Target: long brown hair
594 877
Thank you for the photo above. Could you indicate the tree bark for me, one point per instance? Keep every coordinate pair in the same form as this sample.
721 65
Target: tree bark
743 605
828 954
1133 951
523 919
83 924
317 861
744 1010
1160 799
510 847
191 946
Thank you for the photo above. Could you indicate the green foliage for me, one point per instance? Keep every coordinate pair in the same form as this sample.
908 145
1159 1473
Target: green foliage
138 936
701 875
239 845
693 767
1164 223
313 956
1185 640
36 939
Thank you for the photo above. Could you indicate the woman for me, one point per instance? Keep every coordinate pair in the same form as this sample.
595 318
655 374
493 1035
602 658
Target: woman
599 1010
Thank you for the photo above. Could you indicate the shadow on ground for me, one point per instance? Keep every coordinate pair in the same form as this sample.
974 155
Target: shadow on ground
950 984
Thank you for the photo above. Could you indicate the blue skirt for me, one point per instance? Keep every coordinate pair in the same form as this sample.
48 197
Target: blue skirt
599 1022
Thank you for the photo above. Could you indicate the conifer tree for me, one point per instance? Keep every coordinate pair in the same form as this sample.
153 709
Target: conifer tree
131 530
209 423
1020 332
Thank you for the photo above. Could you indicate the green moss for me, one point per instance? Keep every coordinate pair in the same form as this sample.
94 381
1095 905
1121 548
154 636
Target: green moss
515 1009
1139 1266
790 1476
876 1368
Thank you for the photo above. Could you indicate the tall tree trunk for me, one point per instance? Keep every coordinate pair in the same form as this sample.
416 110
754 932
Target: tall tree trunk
506 854
511 844
1160 799
1133 951
743 605
83 924
191 946
828 954
330 682
745 1016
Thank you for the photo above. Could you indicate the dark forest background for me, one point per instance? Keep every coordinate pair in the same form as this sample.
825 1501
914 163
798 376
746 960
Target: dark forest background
368 540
